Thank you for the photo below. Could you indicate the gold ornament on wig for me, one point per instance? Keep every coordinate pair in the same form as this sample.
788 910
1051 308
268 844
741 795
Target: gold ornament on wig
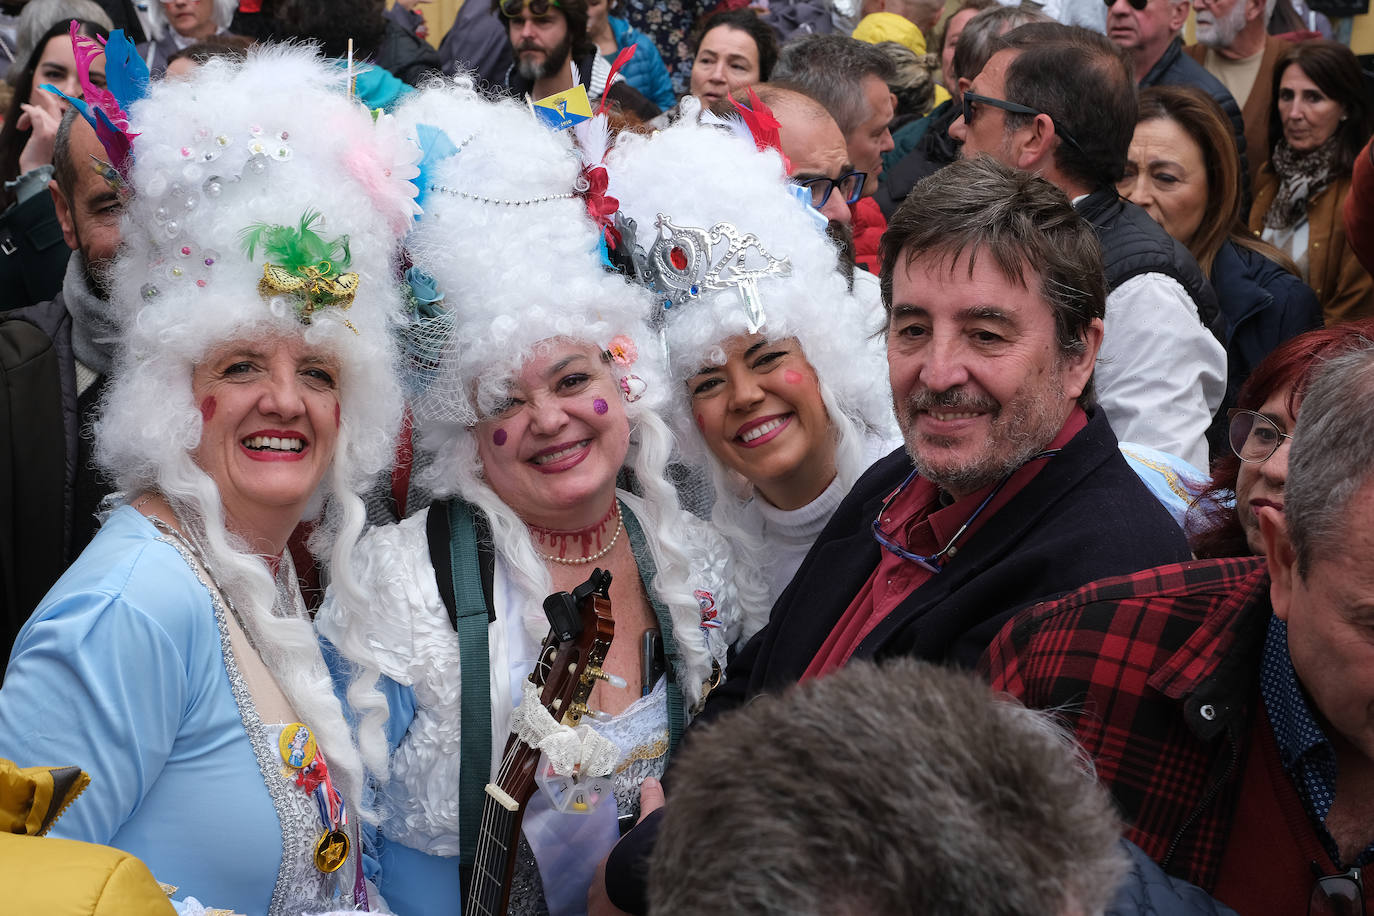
304 266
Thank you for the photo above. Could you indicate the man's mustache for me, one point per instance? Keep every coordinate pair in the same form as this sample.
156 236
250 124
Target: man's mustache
961 399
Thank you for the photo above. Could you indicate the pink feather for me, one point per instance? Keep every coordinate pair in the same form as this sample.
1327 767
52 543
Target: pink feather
86 50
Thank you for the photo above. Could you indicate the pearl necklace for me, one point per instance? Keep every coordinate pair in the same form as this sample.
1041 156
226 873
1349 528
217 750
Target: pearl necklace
580 561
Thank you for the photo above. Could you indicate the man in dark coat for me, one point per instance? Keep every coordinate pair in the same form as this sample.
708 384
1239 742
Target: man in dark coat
1010 488
53 362
1150 37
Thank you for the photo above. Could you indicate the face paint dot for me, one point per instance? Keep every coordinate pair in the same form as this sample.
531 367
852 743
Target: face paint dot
792 377
600 406
701 422
499 437
336 416
207 409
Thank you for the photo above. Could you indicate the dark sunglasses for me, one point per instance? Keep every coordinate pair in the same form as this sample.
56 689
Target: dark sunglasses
972 100
1136 5
511 8
1337 895
850 185
936 561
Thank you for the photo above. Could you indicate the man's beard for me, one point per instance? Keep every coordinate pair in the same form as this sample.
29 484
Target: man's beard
534 68
96 271
1222 30
1018 430
98 277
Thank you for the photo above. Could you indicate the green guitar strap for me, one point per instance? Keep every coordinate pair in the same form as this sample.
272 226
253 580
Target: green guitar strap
471 617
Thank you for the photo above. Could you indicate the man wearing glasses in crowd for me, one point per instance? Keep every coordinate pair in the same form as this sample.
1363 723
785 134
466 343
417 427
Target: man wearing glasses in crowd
1227 703
1059 101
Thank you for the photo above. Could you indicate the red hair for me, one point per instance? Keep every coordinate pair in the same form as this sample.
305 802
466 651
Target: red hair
1212 524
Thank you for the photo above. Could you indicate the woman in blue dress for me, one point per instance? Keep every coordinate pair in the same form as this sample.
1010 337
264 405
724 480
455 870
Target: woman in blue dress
175 661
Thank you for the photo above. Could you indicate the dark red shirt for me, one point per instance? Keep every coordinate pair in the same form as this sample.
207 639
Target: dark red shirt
919 523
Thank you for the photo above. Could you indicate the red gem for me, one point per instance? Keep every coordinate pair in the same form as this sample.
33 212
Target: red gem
678 257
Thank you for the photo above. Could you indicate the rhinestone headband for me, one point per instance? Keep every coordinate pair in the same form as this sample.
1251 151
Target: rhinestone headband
685 261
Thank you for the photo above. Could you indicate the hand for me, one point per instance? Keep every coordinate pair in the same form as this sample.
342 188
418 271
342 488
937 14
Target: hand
650 800
42 117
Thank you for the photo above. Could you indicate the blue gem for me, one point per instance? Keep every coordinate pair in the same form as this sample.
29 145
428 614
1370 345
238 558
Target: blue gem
693 291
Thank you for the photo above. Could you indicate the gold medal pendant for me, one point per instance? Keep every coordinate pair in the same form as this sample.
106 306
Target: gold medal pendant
331 851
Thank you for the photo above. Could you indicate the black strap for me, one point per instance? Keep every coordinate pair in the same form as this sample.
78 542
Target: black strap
644 559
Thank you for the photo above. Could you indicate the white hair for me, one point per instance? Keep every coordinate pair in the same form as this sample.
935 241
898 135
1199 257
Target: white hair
701 175
217 154
158 24
515 257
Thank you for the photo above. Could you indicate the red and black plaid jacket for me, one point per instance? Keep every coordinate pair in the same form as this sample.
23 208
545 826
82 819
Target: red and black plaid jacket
1157 674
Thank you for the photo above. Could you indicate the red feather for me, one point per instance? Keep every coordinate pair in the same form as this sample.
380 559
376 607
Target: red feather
621 60
764 127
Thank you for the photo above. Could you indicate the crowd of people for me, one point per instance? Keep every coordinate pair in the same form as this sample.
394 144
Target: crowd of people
795 458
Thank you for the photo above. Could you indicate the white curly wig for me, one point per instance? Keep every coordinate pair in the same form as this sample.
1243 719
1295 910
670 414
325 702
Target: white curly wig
264 141
157 16
699 175
515 255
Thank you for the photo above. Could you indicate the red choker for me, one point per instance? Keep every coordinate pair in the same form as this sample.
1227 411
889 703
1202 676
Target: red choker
582 545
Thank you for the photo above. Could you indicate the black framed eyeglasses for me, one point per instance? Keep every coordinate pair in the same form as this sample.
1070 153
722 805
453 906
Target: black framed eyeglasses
1136 5
511 8
1253 436
972 100
935 562
1337 895
850 185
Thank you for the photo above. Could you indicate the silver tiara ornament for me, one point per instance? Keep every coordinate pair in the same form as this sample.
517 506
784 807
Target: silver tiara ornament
685 261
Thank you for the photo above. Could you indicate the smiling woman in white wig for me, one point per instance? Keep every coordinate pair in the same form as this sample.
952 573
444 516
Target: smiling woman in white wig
538 388
255 386
779 383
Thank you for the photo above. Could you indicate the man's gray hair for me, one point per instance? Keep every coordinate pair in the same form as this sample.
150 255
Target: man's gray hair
981 208
63 168
1333 453
832 69
905 788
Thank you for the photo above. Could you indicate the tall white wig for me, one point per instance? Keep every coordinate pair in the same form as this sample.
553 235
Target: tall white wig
269 141
691 178
510 247
159 26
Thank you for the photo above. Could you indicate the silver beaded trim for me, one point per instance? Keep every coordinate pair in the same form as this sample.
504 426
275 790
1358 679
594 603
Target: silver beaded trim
499 201
296 834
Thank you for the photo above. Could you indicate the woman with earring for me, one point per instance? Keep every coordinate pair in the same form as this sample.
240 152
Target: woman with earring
535 393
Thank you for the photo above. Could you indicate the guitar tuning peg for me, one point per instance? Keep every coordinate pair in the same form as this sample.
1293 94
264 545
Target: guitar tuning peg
614 680
581 710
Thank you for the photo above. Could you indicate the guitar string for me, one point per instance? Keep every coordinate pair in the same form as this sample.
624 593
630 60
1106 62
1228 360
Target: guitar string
483 896
495 887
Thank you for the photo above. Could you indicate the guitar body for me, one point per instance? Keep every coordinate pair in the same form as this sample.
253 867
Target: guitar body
568 667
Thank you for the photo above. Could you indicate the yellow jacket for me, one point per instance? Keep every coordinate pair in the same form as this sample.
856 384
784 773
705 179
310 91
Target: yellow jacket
1343 287
61 877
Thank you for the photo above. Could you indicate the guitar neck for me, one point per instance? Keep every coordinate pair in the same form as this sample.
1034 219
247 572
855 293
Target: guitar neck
493 867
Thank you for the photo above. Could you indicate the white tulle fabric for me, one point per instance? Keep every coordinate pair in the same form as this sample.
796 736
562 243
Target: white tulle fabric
412 642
